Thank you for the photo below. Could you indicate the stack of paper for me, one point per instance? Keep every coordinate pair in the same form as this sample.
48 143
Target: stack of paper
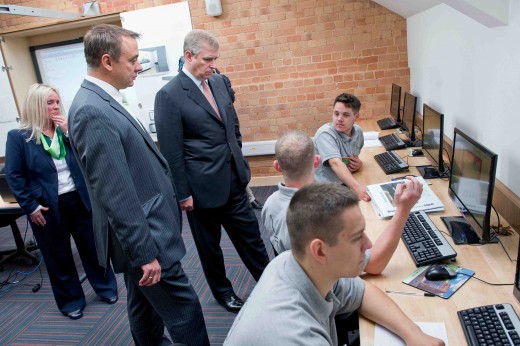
371 139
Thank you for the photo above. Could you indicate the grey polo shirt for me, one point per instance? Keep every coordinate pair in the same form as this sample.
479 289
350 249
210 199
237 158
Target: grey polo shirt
274 215
329 143
274 220
285 308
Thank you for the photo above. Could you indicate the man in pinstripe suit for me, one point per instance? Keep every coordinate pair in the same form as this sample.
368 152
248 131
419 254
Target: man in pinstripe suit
135 211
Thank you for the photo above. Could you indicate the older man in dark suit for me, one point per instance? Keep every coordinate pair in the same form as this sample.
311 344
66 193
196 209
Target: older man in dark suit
135 211
199 135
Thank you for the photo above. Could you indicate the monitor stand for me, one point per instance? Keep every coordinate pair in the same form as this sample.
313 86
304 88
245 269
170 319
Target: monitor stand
413 143
428 172
462 232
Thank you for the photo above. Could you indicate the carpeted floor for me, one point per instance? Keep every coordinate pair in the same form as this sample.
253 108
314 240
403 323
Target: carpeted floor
28 318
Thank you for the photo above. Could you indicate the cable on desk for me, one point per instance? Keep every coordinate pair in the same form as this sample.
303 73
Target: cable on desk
503 247
489 283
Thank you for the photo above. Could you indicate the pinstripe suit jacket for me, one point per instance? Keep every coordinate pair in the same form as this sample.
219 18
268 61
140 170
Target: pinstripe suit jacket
134 206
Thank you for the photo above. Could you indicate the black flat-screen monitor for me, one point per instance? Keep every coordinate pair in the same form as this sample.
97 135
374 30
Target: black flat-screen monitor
516 289
432 143
408 119
471 186
395 102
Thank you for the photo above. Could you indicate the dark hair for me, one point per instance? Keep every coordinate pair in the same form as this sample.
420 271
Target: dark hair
315 213
294 151
105 39
350 101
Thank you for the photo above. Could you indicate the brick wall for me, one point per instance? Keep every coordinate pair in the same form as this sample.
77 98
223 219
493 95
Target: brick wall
287 59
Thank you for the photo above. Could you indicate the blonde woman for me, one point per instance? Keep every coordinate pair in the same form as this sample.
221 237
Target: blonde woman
48 185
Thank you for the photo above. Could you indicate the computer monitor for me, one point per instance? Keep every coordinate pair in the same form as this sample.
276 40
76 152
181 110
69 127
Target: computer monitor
516 288
408 118
395 102
432 143
471 186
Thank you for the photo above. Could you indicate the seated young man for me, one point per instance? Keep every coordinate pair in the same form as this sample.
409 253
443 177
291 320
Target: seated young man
300 291
296 160
339 143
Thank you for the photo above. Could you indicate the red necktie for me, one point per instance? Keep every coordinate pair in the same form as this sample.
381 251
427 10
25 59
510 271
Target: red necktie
209 97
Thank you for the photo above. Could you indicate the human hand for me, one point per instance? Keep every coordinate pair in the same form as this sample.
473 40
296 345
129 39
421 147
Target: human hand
423 339
187 205
362 193
408 193
355 163
38 218
61 122
151 273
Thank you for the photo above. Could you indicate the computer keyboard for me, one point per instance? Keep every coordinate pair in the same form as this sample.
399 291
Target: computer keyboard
390 162
424 240
490 325
387 123
392 142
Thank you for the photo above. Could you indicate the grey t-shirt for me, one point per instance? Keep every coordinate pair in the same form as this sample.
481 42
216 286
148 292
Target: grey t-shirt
285 308
329 143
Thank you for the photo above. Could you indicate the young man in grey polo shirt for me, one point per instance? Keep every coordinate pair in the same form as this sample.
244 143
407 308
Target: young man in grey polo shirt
339 143
301 291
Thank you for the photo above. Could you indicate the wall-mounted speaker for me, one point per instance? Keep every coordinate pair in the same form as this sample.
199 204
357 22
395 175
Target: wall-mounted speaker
213 8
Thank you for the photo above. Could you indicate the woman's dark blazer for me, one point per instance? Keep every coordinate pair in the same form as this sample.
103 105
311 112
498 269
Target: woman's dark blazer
32 176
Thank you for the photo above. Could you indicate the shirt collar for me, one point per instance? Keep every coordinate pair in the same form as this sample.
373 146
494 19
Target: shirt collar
108 88
195 80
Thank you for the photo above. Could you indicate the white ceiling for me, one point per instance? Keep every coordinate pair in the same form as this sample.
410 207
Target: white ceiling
491 13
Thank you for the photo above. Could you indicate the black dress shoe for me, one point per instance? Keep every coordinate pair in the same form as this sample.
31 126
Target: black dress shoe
111 300
75 315
257 205
232 303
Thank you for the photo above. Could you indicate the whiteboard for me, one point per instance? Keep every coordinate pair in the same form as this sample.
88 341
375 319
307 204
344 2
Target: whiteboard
63 67
8 111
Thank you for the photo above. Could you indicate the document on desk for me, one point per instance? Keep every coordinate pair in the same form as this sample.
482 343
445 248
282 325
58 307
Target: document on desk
383 198
371 139
384 337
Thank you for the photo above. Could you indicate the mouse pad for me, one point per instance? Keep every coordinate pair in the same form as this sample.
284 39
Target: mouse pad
442 288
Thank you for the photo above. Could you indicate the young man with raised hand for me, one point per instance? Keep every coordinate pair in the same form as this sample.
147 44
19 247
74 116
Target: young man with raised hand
296 160
301 291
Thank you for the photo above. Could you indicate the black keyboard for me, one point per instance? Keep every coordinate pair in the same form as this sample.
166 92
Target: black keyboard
424 240
387 123
390 162
490 325
392 142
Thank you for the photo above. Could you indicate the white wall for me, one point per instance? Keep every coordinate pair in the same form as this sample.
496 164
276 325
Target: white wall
8 111
471 73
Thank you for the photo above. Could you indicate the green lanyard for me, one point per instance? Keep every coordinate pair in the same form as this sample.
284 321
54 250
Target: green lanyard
55 147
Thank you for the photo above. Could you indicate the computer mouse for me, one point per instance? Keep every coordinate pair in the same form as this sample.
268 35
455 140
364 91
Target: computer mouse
438 272
417 152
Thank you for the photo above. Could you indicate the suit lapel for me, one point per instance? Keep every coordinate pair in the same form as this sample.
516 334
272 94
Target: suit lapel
117 107
46 156
197 96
